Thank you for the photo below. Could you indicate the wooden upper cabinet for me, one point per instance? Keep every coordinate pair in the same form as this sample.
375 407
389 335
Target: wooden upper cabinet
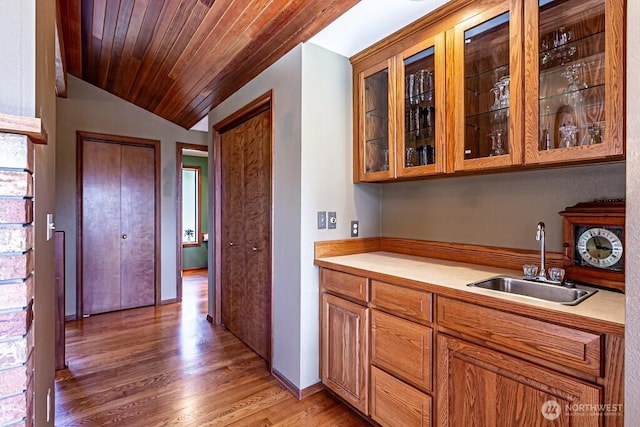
574 80
491 85
399 113
420 142
487 84
375 99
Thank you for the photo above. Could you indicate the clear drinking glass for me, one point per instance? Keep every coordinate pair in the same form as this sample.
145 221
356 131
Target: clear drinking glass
567 136
424 80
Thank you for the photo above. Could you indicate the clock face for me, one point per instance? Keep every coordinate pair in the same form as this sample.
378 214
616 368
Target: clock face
599 247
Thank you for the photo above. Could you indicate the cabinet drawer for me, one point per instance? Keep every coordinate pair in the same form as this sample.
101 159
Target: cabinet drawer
345 284
402 301
402 348
566 346
394 403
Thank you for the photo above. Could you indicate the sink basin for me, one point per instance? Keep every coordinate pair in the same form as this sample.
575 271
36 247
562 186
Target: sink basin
539 290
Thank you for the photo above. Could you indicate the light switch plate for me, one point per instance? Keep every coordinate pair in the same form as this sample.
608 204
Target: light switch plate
322 220
50 226
333 220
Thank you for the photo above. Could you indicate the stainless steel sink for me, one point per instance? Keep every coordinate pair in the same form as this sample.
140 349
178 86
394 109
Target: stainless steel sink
539 290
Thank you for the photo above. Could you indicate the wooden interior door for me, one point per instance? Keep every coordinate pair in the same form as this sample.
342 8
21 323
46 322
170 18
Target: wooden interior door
118 226
257 230
101 236
137 183
246 232
233 260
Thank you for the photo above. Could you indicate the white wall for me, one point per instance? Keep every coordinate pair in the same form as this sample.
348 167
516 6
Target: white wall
327 136
90 109
312 171
632 274
18 52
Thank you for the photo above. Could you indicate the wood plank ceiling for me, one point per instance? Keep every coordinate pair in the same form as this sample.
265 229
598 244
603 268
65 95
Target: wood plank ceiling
180 58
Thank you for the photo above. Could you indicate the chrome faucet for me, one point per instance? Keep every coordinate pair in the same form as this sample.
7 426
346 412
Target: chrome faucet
540 236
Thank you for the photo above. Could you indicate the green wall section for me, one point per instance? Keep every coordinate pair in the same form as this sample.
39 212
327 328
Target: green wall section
196 256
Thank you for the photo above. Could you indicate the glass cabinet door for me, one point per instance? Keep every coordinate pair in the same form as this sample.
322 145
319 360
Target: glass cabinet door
376 128
488 84
421 79
575 113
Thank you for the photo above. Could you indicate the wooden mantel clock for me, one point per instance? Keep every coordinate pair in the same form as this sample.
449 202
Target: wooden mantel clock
593 240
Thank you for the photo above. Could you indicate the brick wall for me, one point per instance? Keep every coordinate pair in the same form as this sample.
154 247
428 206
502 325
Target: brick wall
16 280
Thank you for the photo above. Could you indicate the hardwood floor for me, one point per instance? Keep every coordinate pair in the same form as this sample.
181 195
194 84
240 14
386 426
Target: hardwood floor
157 366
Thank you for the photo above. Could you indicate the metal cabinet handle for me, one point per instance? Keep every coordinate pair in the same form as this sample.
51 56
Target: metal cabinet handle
124 237
232 244
255 249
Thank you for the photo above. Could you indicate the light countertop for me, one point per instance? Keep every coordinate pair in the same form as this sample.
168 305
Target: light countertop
606 307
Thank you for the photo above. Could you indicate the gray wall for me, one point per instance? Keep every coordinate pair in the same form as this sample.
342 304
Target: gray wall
196 256
632 274
498 209
312 171
91 109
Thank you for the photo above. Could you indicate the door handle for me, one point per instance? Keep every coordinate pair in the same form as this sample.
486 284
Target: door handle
124 237
232 244
254 248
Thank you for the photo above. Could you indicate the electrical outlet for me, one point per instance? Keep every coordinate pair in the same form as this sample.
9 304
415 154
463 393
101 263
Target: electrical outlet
333 220
354 228
322 220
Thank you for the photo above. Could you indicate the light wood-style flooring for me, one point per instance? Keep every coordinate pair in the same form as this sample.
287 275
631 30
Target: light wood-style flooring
167 365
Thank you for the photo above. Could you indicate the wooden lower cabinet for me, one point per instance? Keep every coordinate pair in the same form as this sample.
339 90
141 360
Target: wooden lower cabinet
484 387
384 353
345 350
394 403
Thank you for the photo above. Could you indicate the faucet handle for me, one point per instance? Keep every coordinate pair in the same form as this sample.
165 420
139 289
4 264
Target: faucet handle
529 271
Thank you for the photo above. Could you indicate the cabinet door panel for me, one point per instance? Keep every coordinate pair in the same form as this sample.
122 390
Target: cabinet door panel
344 350
375 130
401 347
487 72
479 386
420 141
574 96
394 403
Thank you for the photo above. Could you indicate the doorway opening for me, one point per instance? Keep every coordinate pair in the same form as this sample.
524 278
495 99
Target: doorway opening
192 213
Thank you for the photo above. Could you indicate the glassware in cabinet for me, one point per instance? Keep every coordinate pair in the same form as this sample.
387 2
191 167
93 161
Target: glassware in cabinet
375 124
488 87
421 81
575 110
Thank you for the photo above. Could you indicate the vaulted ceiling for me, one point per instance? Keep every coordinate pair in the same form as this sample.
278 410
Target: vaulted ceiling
180 58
